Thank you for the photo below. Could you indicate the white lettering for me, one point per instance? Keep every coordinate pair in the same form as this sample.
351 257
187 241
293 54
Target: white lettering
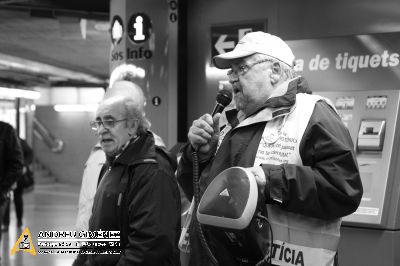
138 25
318 63
354 63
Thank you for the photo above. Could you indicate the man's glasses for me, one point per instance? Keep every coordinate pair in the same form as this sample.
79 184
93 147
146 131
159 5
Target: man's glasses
243 69
95 125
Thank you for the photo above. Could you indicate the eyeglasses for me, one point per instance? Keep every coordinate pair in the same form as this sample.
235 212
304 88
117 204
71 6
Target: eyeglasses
243 69
95 125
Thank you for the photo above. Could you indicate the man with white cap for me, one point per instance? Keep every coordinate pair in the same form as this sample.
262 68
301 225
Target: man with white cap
293 142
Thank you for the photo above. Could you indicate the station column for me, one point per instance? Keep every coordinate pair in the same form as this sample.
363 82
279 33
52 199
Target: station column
144 34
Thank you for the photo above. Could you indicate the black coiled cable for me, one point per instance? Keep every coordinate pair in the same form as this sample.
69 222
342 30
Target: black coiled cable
196 190
267 259
203 241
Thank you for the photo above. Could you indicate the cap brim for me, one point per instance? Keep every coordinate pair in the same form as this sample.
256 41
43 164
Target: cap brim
224 61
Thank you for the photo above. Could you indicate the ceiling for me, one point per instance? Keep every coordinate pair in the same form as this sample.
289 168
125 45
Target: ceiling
54 43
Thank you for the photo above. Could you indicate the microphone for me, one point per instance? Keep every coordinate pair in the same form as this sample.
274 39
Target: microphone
224 97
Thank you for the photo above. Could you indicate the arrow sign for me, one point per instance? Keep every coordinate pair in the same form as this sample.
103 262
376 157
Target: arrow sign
221 45
225 37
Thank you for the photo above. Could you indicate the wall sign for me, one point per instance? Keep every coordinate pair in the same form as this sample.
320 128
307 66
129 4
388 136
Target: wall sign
117 30
173 10
225 37
355 62
156 100
139 28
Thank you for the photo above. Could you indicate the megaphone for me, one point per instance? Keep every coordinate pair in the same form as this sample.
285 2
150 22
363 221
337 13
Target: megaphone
233 203
230 200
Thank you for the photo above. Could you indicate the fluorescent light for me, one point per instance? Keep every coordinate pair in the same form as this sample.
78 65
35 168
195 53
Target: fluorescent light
18 93
102 26
75 107
18 63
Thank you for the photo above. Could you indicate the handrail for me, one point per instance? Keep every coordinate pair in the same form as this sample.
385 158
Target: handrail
42 132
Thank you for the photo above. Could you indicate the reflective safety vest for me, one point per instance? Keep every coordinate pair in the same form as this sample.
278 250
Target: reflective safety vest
298 239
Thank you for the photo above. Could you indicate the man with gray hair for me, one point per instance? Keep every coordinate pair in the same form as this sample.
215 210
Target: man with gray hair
294 144
97 158
137 193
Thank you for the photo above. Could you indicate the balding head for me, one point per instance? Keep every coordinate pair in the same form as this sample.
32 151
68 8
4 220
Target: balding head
131 91
128 89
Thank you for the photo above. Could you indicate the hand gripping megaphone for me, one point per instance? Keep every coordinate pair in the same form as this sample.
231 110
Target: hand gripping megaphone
233 203
230 200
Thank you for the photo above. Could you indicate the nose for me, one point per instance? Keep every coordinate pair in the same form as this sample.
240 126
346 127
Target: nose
101 129
233 78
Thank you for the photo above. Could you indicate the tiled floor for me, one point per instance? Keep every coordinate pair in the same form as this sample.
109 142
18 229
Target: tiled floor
48 207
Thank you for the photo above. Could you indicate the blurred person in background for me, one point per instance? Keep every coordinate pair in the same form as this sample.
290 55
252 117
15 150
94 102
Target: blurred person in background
18 187
88 189
11 164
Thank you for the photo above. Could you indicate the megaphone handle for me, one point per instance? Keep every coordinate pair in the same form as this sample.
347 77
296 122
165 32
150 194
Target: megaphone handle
196 195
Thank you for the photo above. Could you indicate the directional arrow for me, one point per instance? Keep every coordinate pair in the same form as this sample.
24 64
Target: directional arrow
224 193
221 45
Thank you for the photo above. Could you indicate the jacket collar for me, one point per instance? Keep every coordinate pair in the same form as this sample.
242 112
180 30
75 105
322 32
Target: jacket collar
141 150
275 106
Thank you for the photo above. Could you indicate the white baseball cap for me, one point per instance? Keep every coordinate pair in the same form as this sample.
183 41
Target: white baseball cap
256 42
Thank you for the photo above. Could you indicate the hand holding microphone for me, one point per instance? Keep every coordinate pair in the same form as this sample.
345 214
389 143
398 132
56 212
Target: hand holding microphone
204 133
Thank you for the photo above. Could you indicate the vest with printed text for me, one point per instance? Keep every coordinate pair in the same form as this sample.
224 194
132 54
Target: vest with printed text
298 239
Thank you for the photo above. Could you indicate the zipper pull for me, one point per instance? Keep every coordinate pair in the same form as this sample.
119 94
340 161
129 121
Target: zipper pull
119 199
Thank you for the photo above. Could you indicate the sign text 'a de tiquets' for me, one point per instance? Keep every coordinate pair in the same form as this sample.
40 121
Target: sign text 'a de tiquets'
349 62
354 54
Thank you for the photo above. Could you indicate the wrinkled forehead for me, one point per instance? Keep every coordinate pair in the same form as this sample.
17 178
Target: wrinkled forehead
129 90
110 109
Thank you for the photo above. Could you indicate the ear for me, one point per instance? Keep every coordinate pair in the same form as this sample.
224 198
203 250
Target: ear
133 125
276 72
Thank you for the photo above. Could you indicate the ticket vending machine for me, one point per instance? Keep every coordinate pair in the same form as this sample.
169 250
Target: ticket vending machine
371 235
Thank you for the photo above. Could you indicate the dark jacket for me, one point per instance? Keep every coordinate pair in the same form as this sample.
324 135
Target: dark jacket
28 160
148 213
313 189
11 159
